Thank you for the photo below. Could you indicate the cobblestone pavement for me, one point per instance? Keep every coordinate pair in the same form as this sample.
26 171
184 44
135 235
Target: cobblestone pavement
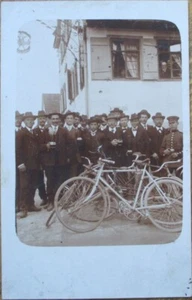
115 231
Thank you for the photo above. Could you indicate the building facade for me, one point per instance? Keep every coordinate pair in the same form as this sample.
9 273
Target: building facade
130 64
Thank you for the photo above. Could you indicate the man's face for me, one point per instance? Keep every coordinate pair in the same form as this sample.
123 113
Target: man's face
76 121
143 119
55 120
134 123
173 125
93 126
158 121
83 123
112 123
18 122
42 121
29 122
123 122
69 120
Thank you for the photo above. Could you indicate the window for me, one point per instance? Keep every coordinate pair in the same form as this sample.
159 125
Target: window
72 78
169 59
125 58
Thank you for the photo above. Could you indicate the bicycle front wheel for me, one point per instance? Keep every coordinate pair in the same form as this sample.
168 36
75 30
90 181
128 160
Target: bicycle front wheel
80 205
163 202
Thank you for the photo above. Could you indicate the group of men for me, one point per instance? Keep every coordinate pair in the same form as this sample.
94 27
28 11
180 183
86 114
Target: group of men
53 150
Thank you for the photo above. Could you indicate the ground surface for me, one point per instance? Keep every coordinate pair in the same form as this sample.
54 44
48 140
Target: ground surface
115 231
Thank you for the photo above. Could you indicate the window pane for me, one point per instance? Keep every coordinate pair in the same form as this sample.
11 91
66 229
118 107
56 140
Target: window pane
118 58
132 64
164 66
175 48
176 65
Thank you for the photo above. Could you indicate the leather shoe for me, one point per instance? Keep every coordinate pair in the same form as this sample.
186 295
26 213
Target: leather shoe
43 203
50 207
23 214
34 208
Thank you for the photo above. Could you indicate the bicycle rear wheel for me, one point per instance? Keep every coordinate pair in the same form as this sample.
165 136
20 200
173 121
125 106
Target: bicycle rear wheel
80 205
163 202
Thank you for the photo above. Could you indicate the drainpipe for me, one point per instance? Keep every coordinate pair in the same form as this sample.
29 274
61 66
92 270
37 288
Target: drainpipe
86 73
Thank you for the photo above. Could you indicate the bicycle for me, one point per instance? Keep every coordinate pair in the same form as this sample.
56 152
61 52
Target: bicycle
82 203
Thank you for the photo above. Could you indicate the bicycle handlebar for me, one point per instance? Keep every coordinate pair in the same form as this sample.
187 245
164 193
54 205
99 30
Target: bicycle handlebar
112 162
164 165
141 162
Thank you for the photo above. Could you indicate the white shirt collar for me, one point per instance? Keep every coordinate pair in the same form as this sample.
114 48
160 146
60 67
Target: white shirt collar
112 129
159 128
69 127
29 129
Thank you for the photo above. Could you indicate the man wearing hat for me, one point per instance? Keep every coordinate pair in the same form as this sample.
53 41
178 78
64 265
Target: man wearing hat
135 139
28 164
123 122
73 144
18 127
53 154
39 131
172 144
157 134
93 138
113 144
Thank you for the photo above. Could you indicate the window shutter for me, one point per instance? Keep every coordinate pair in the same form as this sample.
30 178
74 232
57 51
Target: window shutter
100 59
70 89
150 59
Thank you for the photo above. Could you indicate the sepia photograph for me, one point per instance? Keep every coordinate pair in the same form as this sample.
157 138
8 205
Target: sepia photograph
99 140
95 165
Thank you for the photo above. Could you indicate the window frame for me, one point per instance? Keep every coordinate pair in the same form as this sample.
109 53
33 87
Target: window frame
125 39
177 40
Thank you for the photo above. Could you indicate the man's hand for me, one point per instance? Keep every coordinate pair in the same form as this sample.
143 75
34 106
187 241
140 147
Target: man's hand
114 142
155 155
167 152
22 168
174 155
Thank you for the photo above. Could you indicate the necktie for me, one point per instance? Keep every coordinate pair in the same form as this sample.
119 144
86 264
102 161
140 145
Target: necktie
93 133
160 131
31 131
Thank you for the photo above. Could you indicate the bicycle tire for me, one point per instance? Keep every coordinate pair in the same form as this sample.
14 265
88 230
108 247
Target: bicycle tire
169 217
72 208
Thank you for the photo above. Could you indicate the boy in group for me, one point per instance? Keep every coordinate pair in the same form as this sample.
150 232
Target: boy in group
73 144
27 149
93 139
172 144
39 132
157 134
53 156
113 144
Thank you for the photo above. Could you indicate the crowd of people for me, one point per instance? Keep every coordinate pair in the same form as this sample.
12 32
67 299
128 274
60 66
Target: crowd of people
50 151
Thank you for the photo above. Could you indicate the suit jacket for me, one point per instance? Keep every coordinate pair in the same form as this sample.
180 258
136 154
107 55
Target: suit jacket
114 152
27 149
73 143
174 141
138 143
91 143
53 156
156 140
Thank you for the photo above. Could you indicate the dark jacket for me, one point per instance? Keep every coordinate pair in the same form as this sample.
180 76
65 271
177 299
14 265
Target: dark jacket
138 143
27 149
174 141
156 140
91 143
55 156
114 152
73 142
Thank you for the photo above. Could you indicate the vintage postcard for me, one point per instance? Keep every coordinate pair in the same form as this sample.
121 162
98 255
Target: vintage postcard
96 166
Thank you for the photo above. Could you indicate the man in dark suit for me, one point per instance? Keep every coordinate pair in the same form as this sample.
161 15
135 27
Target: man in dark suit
123 122
172 144
53 156
157 134
93 138
73 144
135 139
113 143
28 164
18 127
39 132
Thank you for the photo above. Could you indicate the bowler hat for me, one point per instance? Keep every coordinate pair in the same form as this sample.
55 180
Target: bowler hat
54 113
41 113
28 114
134 117
18 115
123 116
172 118
68 113
93 119
158 115
112 116
144 112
